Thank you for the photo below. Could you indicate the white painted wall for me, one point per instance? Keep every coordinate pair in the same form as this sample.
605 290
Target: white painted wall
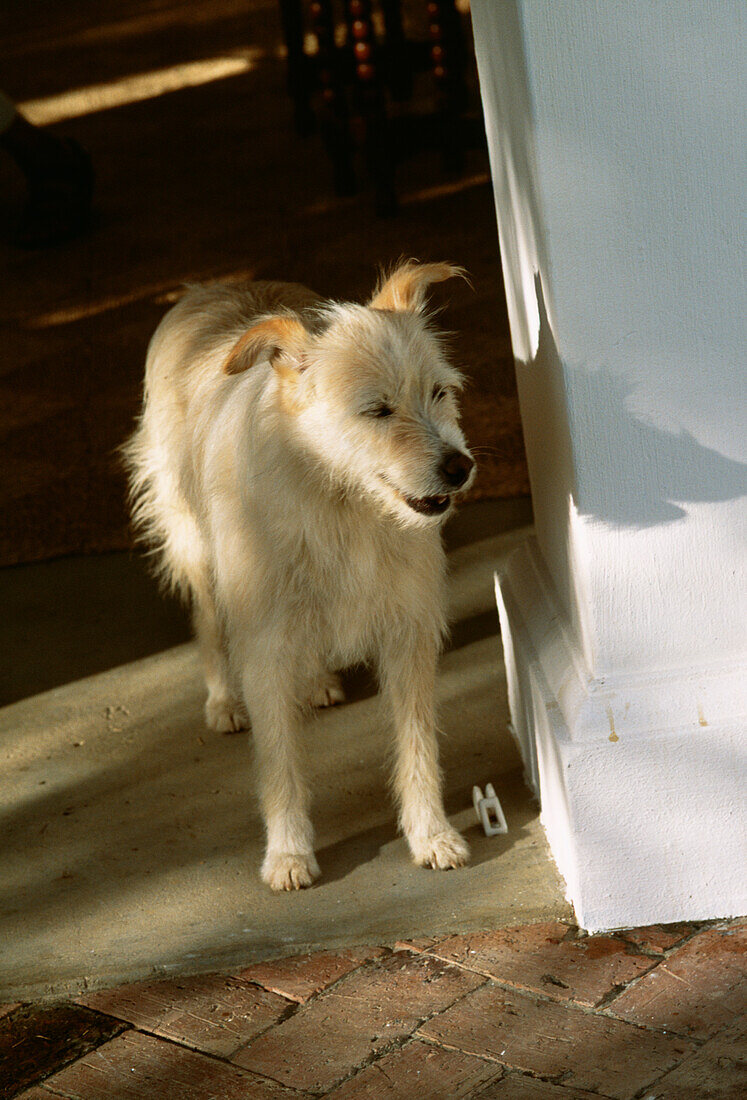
619 157
618 152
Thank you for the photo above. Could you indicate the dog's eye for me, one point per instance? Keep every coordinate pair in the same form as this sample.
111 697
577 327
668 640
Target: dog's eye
439 392
379 411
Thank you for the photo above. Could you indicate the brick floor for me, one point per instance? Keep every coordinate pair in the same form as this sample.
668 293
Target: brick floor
658 939
699 989
365 1013
551 959
136 1066
302 976
540 1012
717 1070
548 1039
214 1014
38 1092
35 1040
420 1070
515 1086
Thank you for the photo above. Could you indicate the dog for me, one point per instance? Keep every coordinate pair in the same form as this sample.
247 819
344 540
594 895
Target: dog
291 470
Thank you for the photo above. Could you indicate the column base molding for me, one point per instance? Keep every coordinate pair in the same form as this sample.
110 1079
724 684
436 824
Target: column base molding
639 776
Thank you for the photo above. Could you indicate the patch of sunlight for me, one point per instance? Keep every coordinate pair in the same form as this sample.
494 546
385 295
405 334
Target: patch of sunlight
69 314
162 294
410 198
149 22
136 88
440 190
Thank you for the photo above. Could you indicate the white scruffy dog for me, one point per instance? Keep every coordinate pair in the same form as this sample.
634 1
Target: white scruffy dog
292 467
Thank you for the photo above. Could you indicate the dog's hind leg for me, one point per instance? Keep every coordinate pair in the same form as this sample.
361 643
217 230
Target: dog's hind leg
407 671
223 710
166 520
326 690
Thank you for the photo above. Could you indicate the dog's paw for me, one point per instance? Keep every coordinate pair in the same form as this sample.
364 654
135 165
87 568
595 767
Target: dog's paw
289 870
441 850
327 691
225 715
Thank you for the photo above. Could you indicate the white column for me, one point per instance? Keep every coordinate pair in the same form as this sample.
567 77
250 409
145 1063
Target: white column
617 143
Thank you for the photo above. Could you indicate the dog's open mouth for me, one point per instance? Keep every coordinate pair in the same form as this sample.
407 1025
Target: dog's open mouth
428 506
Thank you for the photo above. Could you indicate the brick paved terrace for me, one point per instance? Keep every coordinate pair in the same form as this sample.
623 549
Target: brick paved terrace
536 1012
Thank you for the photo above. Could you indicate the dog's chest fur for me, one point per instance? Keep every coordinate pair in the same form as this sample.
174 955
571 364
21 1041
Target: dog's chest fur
349 583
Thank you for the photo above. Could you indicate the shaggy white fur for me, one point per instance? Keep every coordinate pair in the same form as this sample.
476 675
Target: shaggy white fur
291 470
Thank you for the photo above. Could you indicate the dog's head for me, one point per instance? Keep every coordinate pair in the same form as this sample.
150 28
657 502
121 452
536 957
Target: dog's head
372 394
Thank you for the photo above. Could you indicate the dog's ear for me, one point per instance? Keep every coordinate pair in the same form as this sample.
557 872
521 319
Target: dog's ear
280 339
406 287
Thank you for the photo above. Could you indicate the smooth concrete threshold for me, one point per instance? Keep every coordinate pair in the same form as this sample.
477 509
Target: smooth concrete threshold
130 835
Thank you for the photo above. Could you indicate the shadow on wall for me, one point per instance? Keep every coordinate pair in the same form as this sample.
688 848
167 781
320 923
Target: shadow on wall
655 471
580 414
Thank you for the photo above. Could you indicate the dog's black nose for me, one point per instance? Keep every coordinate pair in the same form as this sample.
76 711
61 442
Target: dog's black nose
456 468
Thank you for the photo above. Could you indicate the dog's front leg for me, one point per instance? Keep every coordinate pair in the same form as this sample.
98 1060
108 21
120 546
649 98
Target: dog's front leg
276 721
408 673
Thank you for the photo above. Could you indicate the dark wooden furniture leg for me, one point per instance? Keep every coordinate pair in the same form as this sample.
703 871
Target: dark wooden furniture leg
371 105
291 16
335 119
398 75
448 65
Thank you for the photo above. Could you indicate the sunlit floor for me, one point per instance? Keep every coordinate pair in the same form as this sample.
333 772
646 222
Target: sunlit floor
131 837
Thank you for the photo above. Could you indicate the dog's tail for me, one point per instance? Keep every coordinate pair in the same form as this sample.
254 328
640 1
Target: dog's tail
161 519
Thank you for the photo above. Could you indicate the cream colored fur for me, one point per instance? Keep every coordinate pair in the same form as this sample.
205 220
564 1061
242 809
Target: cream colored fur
280 441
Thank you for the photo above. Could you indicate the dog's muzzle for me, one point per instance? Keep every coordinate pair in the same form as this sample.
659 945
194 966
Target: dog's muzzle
455 471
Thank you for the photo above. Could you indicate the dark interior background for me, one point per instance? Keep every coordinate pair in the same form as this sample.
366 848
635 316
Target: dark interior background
203 182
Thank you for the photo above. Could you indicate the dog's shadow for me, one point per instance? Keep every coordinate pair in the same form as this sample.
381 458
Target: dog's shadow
346 856
342 858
